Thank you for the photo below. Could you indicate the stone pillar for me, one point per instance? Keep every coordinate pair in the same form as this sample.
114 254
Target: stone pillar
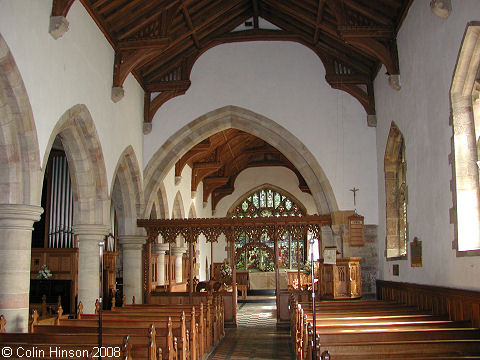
132 266
160 249
16 225
89 236
178 251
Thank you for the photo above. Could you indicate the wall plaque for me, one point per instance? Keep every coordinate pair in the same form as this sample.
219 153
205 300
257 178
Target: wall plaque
356 230
396 270
416 252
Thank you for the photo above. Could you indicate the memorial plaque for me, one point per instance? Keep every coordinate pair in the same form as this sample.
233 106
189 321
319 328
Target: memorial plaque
396 270
416 253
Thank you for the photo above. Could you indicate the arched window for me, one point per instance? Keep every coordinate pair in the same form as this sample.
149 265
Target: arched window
255 251
464 99
396 195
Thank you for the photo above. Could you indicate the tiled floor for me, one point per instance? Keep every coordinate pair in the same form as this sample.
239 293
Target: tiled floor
256 337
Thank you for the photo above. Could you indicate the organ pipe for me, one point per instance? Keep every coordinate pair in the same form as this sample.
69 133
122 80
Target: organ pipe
60 233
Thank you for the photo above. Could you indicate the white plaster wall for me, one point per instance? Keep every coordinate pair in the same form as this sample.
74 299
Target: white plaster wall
201 212
75 69
428 47
286 83
184 187
251 178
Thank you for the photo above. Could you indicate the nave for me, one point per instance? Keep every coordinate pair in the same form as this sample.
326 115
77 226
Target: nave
256 335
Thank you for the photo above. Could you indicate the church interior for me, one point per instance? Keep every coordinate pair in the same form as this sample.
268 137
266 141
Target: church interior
176 173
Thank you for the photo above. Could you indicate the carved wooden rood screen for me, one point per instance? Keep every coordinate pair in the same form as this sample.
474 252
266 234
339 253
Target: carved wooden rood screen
232 229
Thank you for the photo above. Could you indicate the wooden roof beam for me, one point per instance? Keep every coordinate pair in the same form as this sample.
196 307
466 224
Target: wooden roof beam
219 193
196 153
147 15
124 11
172 85
255 13
318 22
210 184
202 170
58 18
128 55
189 22
386 54
370 13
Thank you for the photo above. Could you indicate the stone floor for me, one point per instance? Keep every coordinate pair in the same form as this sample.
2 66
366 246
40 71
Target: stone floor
256 337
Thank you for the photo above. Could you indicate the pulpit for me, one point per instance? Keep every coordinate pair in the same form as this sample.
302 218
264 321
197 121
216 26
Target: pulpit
341 280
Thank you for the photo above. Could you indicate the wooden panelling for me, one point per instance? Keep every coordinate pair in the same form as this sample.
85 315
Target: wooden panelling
458 304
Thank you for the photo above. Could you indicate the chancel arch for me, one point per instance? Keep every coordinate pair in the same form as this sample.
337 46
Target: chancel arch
395 168
252 123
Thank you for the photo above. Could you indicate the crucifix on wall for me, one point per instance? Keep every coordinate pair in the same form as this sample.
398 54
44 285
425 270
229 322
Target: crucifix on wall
354 190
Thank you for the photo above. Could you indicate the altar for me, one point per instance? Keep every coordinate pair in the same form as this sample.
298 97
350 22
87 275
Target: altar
265 280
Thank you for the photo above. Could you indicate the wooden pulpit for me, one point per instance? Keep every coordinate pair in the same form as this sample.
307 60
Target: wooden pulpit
341 280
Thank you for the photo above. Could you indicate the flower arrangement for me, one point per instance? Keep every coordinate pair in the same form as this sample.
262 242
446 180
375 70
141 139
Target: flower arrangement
307 267
225 271
44 273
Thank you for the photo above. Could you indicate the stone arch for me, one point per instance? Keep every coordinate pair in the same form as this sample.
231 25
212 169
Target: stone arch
465 214
79 137
235 117
127 192
192 213
178 210
395 195
21 181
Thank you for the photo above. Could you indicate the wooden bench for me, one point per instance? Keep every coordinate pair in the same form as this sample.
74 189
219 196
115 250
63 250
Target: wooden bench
195 317
62 346
194 346
354 330
172 347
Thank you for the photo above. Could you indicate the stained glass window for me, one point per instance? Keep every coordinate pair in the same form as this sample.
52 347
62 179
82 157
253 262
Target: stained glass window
253 254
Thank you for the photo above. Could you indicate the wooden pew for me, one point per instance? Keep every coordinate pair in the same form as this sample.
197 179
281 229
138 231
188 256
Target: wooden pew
193 312
49 346
354 331
198 326
212 301
162 332
179 319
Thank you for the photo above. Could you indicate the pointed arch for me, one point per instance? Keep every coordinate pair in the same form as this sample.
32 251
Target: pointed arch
79 137
465 214
127 192
178 210
192 213
395 195
281 191
248 121
21 181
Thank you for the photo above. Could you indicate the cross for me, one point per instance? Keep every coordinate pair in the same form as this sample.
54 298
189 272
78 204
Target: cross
354 190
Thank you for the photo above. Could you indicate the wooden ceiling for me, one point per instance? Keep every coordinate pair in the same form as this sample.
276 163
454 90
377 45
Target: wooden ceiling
217 161
160 40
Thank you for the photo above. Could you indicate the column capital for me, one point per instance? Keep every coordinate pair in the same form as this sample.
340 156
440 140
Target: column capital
91 229
159 248
132 241
178 250
19 216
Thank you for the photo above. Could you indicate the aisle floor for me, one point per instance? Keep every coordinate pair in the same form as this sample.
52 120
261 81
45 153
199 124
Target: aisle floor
256 337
